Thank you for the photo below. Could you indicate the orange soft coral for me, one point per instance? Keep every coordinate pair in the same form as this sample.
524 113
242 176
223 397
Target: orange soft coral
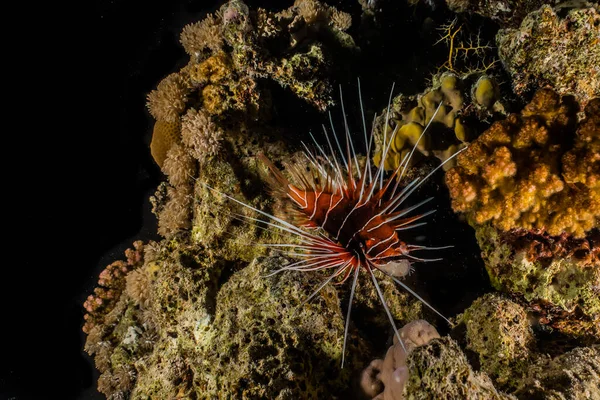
534 170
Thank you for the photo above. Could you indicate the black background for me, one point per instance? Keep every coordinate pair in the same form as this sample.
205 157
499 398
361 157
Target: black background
79 173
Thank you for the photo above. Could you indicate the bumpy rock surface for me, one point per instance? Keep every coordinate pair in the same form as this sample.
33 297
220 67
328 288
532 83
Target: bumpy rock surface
440 370
573 375
262 344
498 331
507 13
548 50
562 286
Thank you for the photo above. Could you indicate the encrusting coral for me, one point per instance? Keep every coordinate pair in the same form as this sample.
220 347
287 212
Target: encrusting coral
465 102
519 173
560 52
164 136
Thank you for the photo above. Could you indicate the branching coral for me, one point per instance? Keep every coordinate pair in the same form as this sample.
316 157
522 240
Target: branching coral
110 286
521 172
547 50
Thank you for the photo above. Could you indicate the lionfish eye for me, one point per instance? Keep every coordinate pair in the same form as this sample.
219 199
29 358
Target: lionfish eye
397 268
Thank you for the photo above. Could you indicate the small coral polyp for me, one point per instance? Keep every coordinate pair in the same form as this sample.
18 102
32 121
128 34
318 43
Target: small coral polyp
536 170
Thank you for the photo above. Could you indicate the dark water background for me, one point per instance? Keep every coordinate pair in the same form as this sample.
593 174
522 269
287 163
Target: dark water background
83 198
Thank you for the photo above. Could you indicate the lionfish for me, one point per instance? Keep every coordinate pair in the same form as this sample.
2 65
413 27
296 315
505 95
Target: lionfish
347 218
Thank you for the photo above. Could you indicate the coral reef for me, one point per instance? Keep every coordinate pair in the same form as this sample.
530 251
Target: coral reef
463 104
519 173
548 50
278 353
197 315
250 323
536 210
232 55
501 333
212 105
507 13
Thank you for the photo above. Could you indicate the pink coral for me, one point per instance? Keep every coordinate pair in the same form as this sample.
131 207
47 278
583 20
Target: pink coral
385 379
111 284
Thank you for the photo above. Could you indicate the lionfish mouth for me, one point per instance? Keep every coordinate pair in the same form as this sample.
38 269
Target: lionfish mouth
345 218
